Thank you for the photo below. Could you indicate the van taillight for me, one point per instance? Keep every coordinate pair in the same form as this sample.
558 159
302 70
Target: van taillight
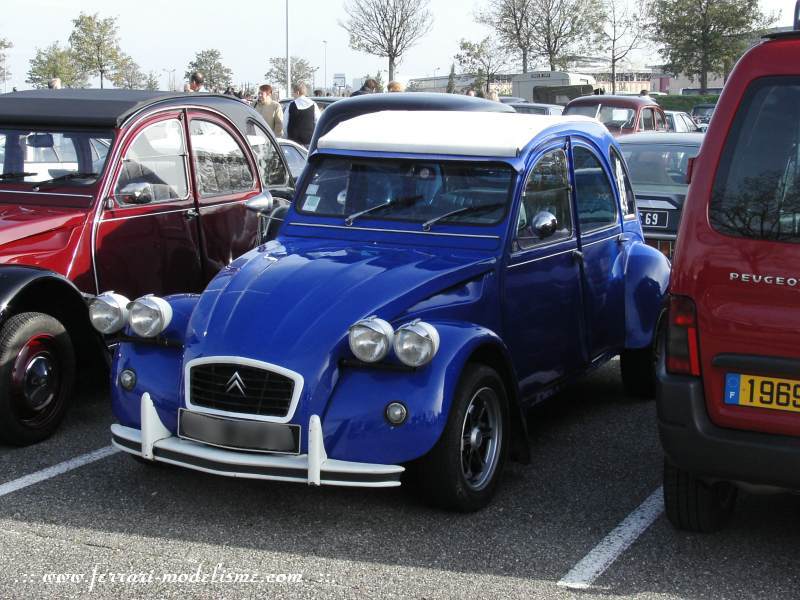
682 355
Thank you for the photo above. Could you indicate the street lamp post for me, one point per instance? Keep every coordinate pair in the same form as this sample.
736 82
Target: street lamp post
325 63
435 69
170 79
288 60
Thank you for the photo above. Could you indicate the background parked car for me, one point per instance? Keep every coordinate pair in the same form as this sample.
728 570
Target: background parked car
295 155
532 108
111 189
680 122
621 114
658 166
729 377
702 113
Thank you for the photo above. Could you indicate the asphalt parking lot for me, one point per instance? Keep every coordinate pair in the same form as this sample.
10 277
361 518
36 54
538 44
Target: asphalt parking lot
596 460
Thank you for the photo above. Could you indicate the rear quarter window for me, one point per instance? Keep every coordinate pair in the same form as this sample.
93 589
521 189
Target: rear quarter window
756 191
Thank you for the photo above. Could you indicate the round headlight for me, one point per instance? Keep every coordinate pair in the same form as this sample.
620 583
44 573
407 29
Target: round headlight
150 315
108 312
416 343
370 339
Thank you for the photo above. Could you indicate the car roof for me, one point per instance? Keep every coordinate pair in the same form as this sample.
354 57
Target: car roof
537 104
662 137
91 108
675 112
348 108
629 101
446 132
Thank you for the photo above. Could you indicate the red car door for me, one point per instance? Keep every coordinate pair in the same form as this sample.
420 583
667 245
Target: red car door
225 177
147 236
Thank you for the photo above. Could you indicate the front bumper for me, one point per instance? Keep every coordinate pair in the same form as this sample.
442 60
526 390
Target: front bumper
693 443
155 442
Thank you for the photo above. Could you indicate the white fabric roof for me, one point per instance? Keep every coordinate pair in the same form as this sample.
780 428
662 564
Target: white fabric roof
442 132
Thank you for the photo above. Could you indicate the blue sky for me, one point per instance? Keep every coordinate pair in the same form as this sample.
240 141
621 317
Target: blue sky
165 34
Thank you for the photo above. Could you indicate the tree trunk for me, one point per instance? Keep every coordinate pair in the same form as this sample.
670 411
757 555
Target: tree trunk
391 68
613 76
524 60
552 62
101 80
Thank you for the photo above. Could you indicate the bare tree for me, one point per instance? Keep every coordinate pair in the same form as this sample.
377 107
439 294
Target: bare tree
512 21
5 72
564 29
624 31
386 28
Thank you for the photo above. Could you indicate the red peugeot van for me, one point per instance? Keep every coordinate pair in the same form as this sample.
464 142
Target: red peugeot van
729 366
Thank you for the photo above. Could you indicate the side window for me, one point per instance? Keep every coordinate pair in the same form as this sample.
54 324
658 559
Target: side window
546 195
154 166
660 126
220 166
297 162
594 195
623 184
273 171
646 122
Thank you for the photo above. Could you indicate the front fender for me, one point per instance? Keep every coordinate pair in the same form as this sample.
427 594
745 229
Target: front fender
158 369
15 279
354 426
646 283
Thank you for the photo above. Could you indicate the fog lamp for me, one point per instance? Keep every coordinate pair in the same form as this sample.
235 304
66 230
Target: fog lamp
396 413
127 379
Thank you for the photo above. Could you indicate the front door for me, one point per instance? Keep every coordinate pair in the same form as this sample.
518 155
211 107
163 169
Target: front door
542 308
225 178
147 238
599 226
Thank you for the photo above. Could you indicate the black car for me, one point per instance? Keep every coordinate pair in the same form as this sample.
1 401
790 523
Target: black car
658 165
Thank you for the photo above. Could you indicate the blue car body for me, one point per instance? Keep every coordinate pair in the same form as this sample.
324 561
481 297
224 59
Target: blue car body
540 317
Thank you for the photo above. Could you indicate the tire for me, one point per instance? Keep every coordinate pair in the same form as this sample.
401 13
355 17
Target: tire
37 375
449 476
638 368
694 505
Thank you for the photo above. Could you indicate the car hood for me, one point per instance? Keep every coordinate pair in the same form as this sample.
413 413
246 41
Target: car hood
22 221
293 305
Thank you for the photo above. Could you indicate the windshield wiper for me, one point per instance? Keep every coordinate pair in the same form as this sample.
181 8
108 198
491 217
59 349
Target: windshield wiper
403 201
16 175
66 177
462 211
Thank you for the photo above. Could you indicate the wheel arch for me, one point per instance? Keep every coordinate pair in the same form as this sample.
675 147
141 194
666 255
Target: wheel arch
26 289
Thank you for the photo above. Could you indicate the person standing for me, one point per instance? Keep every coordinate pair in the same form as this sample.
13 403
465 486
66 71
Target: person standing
370 87
395 86
269 109
197 82
300 116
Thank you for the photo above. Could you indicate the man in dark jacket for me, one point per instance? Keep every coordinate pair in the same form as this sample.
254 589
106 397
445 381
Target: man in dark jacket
370 87
300 116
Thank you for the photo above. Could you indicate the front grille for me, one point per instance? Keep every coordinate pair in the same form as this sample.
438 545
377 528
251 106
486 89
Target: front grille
240 389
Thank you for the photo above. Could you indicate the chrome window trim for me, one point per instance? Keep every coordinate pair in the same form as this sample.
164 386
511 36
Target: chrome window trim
47 193
540 258
245 362
605 239
167 212
357 228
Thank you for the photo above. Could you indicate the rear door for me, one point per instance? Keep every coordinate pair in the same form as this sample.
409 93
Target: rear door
747 287
146 239
225 177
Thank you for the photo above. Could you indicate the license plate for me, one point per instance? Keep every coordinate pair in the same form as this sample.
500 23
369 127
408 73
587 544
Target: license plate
654 218
239 434
762 392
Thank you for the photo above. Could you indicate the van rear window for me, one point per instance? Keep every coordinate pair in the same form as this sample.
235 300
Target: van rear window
756 191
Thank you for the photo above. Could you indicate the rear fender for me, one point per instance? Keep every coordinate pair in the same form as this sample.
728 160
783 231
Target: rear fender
646 283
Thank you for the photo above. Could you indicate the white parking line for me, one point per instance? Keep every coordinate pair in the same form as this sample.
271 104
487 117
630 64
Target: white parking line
615 543
55 470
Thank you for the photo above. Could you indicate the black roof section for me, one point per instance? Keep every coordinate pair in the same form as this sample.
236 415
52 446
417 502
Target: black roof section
88 108
347 108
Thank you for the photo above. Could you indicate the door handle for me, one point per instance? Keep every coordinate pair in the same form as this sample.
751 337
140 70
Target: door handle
191 214
578 256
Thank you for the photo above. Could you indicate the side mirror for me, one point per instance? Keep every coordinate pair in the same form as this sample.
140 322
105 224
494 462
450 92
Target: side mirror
135 193
262 204
544 224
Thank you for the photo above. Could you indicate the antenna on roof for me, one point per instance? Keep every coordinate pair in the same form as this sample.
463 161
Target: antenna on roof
797 16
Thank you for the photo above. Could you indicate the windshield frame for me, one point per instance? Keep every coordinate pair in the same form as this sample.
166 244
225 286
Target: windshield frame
447 226
21 184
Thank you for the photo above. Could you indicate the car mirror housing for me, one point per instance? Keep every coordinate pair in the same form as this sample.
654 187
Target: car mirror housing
135 193
544 224
262 204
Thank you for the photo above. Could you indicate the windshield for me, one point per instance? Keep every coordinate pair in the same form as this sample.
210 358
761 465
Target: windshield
702 111
613 117
408 190
658 164
35 156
